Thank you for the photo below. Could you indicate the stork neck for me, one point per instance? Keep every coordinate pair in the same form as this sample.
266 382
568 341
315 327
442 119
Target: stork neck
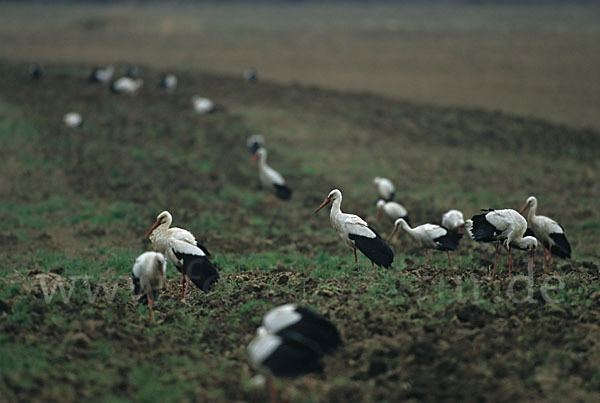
335 209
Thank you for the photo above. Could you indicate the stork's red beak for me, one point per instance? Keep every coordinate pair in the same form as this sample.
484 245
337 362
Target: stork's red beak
523 208
325 203
255 156
151 229
459 227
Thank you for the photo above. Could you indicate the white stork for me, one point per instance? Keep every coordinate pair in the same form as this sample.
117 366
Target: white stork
202 105
453 220
99 75
385 188
550 233
72 119
505 226
430 236
148 275
391 210
291 342
168 82
255 142
270 178
127 85
356 233
181 248
251 75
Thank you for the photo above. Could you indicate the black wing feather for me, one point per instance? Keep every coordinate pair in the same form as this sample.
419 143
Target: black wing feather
199 269
561 247
316 328
375 249
283 192
483 231
449 241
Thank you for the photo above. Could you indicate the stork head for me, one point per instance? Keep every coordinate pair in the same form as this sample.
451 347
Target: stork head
531 203
260 153
399 223
335 194
163 218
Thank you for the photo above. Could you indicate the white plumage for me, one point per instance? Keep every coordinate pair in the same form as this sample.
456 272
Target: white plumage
453 220
127 85
149 271
168 82
550 233
72 119
504 226
355 232
430 236
269 178
202 105
183 250
385 188
100 75
391 210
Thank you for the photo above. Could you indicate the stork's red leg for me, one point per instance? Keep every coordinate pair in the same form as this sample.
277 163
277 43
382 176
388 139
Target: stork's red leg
510 264
150 307
426 258
187 285
355 257
495 261
544 259
449 259
372 265
273 392
182 284
549 260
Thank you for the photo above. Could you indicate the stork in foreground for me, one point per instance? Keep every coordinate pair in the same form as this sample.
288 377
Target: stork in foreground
291 342
181 248
506 227
255 142
270 178
391 210
148 275
127 85
356 233
453 220
430 236
550 233
385 188
102 76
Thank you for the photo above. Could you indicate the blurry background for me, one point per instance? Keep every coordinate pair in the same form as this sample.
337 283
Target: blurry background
535 58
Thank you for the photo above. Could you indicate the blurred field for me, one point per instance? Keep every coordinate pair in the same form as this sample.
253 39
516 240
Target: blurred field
541 61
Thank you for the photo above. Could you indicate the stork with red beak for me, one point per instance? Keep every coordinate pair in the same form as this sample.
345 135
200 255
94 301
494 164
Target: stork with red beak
148 276
454 220
356 233
181 248
550 233
506 227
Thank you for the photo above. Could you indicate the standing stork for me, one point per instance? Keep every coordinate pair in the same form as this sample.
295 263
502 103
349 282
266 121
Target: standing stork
102 76
148 275
550 233
453 220
168 82
270 178
72 119
391 210
356 233
505 227
430 236
181 248
202 105
255 142
291 342
126 85
385 188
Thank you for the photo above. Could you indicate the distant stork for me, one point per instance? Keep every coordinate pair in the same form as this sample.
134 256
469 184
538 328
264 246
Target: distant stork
391 210
453 220
101 75
291 342
35 71
127 85
550 233
148 275
182 249
168 82
356 233
255 142
72 119
270 178
430 236
202 105
251 75
505 227
385 188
